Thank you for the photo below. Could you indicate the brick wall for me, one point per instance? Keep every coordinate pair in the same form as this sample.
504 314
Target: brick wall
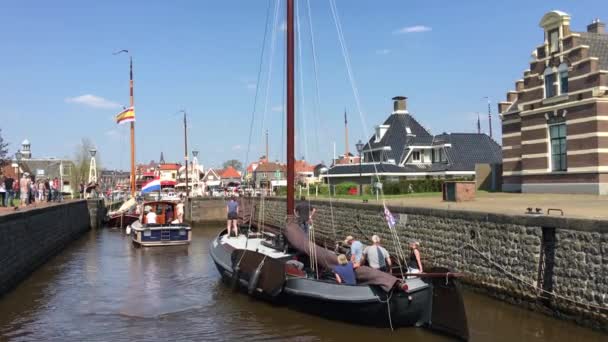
29 238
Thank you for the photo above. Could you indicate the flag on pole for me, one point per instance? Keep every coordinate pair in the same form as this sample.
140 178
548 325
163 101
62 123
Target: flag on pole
127 115
389 218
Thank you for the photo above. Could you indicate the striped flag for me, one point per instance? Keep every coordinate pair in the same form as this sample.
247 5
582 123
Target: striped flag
389 217
127 115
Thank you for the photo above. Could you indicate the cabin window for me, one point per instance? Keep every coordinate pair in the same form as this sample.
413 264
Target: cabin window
416 156
549 83
557 134
563 78
553 41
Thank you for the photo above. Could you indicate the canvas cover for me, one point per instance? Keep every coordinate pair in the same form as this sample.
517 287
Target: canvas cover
327 259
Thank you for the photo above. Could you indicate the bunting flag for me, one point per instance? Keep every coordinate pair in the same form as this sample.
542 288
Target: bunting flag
127 115
389 218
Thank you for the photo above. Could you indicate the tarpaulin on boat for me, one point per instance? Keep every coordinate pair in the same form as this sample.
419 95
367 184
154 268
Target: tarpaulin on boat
327 259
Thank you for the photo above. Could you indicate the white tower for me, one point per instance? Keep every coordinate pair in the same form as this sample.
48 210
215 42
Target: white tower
26 152
196 177
92 167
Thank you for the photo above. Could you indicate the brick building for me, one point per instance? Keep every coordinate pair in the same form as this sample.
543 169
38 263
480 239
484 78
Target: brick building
555 122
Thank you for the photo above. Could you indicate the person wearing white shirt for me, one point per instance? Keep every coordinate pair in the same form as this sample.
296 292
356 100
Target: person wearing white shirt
150 216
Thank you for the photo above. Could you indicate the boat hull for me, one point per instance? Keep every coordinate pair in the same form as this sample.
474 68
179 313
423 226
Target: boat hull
121 220
362 305
162 235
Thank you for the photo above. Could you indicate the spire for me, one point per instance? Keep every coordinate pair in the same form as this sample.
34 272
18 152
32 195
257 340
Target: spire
162 158
478 124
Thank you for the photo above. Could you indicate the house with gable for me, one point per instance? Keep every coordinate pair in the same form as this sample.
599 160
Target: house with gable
401 148
555 122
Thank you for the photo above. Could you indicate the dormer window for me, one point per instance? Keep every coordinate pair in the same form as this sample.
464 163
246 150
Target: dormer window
408 130
553 41
416 156
549 82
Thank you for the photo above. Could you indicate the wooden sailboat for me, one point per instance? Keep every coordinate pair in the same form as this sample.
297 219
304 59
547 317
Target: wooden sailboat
265 267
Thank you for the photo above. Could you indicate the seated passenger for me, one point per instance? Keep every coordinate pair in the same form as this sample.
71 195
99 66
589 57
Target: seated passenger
345 273
150 215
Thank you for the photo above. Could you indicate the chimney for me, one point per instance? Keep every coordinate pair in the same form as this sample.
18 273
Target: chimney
596 26
400 105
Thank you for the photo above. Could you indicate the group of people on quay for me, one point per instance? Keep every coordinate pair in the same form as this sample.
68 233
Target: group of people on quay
28 190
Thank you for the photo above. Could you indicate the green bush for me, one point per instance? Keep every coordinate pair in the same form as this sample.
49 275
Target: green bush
344 188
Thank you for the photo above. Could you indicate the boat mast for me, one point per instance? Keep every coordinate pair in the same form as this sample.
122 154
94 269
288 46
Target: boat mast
290 109
132 102
186 153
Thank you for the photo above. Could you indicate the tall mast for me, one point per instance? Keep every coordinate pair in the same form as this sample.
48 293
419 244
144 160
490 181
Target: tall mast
345 136
290 108
186 153
132 101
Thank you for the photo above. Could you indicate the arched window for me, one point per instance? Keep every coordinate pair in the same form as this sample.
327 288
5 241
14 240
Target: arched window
563 78
549 82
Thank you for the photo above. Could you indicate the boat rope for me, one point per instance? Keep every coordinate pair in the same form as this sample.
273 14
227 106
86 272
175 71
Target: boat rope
317 102
388 306
252 121
353 84
519 278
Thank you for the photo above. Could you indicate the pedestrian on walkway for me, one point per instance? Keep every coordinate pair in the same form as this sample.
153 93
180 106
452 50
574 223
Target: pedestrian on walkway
40 197
2 192
10 192
23 190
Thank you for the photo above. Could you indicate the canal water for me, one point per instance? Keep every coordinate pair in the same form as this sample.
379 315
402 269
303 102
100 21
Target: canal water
101 288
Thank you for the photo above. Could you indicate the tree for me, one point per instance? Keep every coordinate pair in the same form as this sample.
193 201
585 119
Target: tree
234 163
82 161
3 151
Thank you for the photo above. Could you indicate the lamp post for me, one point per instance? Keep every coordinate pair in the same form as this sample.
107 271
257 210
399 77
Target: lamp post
360 146
18 157
195 174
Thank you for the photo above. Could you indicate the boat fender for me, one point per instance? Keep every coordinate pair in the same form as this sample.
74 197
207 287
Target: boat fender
128 230
234 283
253 281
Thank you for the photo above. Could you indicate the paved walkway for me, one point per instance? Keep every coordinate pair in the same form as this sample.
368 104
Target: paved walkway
581 206
5 210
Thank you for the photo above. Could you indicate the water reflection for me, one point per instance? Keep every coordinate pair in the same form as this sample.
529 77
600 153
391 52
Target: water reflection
101 288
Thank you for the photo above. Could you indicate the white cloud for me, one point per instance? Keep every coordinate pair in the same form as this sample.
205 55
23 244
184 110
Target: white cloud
112 133
237 147
283 26
413 29
383 52
277 108
250 86
93 101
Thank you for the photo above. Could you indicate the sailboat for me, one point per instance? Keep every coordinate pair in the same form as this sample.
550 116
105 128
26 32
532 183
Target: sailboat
264 266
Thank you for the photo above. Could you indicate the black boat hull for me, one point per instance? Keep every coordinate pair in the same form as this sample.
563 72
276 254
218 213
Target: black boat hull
362 305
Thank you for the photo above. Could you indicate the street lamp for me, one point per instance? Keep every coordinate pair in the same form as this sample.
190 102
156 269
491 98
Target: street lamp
360 146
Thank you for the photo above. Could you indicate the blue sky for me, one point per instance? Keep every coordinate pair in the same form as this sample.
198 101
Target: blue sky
60 82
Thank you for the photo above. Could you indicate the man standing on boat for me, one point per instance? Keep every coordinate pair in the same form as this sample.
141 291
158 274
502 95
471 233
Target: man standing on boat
377 256
304 213
150 215
356 250
180 211
232 209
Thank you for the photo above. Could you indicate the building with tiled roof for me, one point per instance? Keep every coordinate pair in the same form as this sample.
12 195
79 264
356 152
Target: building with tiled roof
555 122
267 172
402 148
230 175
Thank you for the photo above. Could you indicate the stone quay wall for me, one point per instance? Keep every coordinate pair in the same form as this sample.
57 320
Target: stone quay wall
548 263
30 237
205 210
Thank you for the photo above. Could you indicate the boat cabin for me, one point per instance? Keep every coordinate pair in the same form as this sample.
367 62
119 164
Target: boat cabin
166 211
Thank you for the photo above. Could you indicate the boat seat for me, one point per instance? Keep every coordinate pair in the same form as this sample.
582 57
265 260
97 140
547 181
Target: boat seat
269 235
